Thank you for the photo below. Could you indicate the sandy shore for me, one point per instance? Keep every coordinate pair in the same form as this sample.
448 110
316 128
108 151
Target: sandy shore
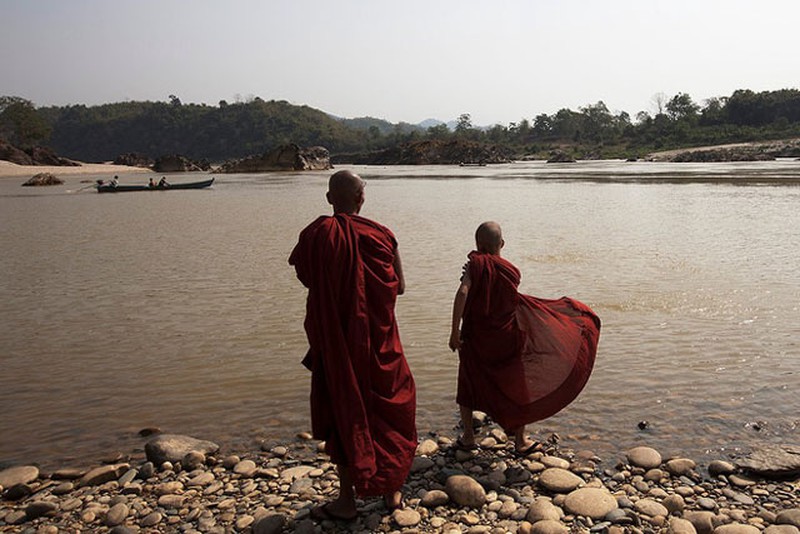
12 170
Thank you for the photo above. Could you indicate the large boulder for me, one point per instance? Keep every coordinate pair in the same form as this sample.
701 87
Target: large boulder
134 159
284 158
33 156
43 178
45 156
177 163
9 152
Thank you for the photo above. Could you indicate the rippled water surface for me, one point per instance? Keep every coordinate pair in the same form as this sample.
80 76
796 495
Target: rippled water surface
178 309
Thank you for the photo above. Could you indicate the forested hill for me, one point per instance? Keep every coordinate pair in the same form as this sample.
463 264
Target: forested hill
224 131
100 133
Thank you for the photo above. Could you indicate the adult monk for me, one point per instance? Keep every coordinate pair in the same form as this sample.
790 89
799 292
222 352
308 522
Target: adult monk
521 359
363 398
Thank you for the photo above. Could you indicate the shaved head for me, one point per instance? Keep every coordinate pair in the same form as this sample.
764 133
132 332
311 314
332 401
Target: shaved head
346 192
489 237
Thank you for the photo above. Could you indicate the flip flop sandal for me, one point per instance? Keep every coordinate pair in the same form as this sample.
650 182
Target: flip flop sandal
530 449
461 446
323 513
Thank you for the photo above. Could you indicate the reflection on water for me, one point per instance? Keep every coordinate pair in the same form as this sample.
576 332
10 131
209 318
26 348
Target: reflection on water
179 310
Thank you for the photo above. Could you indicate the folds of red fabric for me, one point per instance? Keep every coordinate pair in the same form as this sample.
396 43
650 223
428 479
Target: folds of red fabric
523 358
363 398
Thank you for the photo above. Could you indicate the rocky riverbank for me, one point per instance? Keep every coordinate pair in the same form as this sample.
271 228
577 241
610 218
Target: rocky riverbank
754 151
430 152
180 484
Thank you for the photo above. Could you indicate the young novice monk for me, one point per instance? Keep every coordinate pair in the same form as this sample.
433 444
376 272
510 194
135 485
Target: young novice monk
521 358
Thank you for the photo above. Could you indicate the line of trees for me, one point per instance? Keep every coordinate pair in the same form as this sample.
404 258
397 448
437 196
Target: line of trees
228 130
677 122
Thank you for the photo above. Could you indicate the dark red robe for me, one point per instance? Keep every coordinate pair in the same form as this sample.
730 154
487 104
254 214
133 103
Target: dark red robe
363 399
523 358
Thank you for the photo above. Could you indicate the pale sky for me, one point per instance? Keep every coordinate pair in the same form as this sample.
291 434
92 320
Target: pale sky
401 60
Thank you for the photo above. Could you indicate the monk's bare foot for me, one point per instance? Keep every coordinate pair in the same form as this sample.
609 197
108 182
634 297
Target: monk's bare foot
466 444
393 501
338 510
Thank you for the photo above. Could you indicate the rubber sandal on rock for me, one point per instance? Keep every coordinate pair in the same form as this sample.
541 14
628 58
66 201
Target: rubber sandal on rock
323 513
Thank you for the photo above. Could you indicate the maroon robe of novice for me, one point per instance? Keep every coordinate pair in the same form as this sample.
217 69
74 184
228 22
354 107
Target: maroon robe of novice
522 358
363 398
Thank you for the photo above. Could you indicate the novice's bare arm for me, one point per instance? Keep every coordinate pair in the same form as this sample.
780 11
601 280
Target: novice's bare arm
398 269
459 302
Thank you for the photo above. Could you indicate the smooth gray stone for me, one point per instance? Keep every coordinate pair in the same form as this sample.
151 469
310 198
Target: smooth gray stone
272 524
101 475
40 508
773 461
116 515
17 492
147 470
789 517
129 475
21 474
174 447
465 491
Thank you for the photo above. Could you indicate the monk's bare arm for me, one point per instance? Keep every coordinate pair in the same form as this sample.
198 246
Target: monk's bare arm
398 269
458 312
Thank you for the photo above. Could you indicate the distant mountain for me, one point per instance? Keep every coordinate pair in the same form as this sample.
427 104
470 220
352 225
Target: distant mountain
427 123
365 123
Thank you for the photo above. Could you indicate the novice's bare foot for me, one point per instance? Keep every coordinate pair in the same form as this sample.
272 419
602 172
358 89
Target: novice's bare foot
464 443
526 446
338 510
393 501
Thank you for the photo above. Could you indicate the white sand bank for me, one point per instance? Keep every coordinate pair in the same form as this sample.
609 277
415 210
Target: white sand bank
12 170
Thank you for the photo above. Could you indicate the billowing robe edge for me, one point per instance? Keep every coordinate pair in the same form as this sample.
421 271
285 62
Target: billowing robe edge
363 398
523 358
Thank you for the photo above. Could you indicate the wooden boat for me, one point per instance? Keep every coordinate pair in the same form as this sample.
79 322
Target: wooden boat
107 188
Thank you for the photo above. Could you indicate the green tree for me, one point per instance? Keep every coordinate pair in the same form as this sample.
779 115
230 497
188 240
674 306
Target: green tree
682 107
464 123
20 123
440 131
597 122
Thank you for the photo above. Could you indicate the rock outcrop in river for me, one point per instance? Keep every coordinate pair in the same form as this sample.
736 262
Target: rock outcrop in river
559 156
431 152
289 157
43 178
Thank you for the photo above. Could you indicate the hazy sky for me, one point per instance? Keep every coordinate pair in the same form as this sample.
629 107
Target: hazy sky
405 60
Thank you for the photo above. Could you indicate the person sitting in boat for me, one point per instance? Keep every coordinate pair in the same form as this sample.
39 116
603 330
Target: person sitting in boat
152 183
163 182
114 181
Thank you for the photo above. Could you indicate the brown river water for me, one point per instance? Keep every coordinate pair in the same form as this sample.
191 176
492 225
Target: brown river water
178 310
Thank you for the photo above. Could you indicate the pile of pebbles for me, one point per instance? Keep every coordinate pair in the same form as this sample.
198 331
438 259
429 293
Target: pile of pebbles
191 488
